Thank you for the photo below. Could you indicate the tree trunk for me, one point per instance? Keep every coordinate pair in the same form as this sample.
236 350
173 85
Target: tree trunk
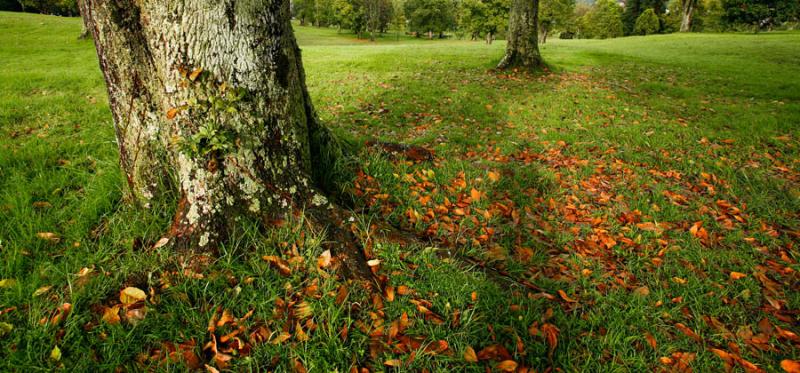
686 15
544 34
210 106
523 48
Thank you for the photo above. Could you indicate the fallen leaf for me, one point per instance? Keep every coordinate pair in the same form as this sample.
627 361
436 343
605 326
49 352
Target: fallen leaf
566 298
49 236
393 363
470 356
324 259
790 366
111 315
55 354
651 340
737 276
507 365
131 295
7 283
42 290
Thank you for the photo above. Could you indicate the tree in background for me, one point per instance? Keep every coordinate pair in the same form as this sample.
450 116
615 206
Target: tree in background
634 8
687 11
430 16
760 14
602 21
398 17
647 23
554 15
522 48
55 7
323 13
484 17
303 10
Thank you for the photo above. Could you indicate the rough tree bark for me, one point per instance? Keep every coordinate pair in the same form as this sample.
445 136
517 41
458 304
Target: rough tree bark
210 105
523 47
687 8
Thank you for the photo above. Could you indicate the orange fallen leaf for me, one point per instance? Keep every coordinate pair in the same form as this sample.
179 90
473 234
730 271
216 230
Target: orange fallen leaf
324 259
111 315
507 365
790 366
475 195
470 356
393 363
737 275
564 296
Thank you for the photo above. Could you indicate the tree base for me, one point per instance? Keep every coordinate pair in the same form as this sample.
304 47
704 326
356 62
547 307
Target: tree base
516 60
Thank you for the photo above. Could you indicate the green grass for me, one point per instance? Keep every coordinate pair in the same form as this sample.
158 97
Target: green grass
574 168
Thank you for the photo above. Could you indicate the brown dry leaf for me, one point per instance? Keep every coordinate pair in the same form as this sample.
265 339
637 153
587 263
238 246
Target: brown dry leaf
280 264
507 366
211 369
475 195
393 363
281 338
195 73
737 275
172 113
389 293
42 290
689 332
49 236
790 366
679 280
226 317
111 315
493 176
135 315
131 295
324 260
551 335
298 366
651 340
566 298
470 356
373 262
641 291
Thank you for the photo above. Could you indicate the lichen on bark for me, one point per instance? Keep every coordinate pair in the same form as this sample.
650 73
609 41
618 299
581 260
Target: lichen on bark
522 48
212 109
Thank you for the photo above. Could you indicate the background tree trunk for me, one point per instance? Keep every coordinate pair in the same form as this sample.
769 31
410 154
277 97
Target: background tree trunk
210 105
523 48
686 15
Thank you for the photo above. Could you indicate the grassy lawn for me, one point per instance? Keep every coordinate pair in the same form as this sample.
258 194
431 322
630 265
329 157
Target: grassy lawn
634 208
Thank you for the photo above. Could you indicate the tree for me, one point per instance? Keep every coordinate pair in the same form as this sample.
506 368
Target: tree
553 15
303 10
687 10
602 21
522 48
760 14
484 17
430 16
210 105
634 8
647 23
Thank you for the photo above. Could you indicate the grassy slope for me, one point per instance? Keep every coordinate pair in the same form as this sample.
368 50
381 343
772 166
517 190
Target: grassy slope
623 126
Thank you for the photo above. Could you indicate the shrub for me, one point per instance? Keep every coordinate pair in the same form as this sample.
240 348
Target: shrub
647 23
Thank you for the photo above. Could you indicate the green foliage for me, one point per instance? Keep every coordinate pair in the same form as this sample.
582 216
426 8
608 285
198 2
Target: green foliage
55 7
760 14
436 16
602 21
480 17
556 15
634 8
647 23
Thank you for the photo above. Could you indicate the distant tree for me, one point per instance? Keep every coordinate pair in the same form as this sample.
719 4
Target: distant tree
554 15
602 21
647 23
522 47
398 17
634 8
430 16
303 10
350 15
484 17
323 13
760 14
687 11
56 7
